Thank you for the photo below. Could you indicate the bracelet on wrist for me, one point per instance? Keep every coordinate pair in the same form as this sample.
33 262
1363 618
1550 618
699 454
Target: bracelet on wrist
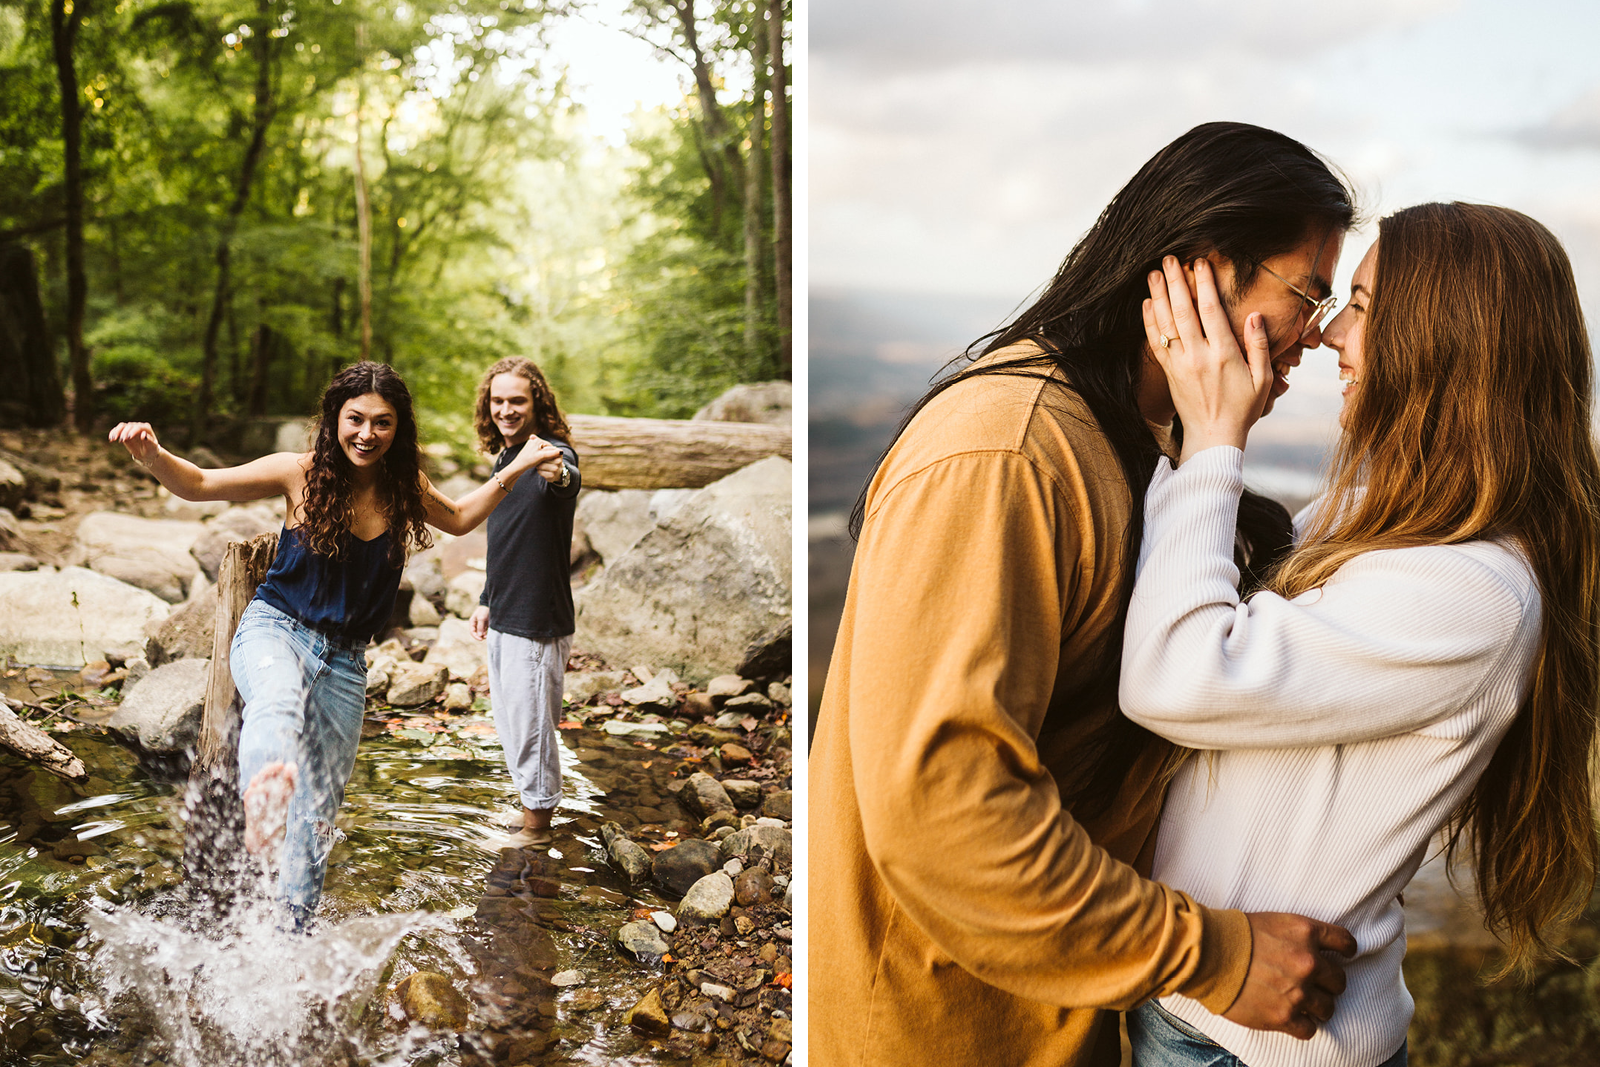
496 476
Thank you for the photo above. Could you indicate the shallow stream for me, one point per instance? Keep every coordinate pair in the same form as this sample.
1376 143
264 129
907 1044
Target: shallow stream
105 961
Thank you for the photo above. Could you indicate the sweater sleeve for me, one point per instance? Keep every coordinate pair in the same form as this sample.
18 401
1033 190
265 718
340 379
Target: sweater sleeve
959 584
1398 640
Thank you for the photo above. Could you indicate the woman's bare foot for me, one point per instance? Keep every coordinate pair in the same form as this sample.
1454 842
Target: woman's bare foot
266 808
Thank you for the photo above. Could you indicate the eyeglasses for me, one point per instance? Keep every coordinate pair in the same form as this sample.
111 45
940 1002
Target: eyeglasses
1319 308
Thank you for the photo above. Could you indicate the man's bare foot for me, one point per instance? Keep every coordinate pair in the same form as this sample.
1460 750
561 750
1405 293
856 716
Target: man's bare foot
266 808
529 838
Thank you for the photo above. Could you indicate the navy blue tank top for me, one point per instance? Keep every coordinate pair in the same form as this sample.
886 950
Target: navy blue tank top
348 599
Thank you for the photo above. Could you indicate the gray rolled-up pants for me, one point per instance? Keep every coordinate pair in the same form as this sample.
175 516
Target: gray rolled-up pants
526 679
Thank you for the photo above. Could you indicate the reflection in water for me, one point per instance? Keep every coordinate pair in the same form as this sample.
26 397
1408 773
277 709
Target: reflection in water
103 960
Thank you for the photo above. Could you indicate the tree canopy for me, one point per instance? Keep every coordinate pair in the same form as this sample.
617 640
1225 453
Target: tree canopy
229 199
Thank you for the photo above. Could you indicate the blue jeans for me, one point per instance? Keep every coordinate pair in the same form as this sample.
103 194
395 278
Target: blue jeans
304 695
1161 1039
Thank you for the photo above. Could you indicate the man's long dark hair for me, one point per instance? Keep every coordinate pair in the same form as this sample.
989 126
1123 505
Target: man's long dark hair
1224 189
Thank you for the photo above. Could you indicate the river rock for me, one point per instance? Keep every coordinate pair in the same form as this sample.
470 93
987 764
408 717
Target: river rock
162 712
749 704
421 612
461 597
707 900
704 795
17 561
411 683
752 887
152 554
626 855
10 531
771 403
624 728
734 755
457 696
581 687
649 1016
743 793
708 586
188 632
780 694
235 524
677 869
425 572
724 687
431 1000
378 677
774 841
654 695
456 650
13 486
642 941
73 616
779 805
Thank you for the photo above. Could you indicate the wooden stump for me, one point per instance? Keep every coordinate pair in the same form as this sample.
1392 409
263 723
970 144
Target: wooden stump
618 453
214 834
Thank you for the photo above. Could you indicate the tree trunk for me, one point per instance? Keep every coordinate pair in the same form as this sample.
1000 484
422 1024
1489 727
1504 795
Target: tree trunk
30 383
782 210
261 345
363 220
64 22
730 173
214 829
617 453
261 119
754 246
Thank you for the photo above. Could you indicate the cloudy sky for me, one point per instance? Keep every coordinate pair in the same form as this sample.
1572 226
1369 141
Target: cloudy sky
961 146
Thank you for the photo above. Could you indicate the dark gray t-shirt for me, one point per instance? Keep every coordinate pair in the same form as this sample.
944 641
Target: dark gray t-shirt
529 591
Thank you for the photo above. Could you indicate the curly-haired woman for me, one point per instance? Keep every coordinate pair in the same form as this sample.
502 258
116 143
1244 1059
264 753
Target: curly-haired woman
356 503
526 612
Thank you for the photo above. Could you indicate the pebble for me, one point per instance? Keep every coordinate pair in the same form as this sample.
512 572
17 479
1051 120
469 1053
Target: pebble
567 978
717 992
733 868
649 1015
677 869
707 900
664 920
642 941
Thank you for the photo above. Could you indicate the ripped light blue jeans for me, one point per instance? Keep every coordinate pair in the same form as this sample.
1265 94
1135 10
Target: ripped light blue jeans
304 695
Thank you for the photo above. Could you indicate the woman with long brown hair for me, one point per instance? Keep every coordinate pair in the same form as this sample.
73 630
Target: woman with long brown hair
355 505
1428 656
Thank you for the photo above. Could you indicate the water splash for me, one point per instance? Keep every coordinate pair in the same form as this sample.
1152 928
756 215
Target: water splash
245 992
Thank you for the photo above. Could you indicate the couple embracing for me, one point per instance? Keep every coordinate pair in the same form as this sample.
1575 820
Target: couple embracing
1104 731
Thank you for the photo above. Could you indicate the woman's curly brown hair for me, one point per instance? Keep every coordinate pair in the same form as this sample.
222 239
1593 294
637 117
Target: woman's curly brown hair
326 511
547 418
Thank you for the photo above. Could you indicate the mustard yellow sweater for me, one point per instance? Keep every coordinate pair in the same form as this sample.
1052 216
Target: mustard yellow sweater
958 913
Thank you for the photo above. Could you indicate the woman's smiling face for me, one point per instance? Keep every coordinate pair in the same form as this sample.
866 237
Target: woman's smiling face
367 426
1344 333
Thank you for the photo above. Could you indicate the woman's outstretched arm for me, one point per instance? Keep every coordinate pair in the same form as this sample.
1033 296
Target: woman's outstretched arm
273 475
462 516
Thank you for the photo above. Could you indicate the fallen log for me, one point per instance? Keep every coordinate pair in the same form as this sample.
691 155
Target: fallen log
214 832
36 746
618 453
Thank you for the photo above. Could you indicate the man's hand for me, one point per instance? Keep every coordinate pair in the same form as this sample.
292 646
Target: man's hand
480 623
1290 986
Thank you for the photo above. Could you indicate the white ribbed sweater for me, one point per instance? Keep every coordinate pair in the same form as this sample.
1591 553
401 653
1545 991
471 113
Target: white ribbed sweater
1346 725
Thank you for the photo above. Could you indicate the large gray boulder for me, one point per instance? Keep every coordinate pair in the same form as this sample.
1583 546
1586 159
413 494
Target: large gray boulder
74 616
706 589
614 519
162 712
152 554
235 524
768 402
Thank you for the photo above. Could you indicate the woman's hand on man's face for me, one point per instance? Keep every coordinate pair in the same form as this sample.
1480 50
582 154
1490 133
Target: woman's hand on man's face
1219 391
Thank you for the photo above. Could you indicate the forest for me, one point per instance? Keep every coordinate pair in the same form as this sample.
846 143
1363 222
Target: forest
208 206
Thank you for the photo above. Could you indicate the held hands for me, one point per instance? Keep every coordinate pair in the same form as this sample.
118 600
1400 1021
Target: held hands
1290 986
540 455
480 623
139 439
1218 391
